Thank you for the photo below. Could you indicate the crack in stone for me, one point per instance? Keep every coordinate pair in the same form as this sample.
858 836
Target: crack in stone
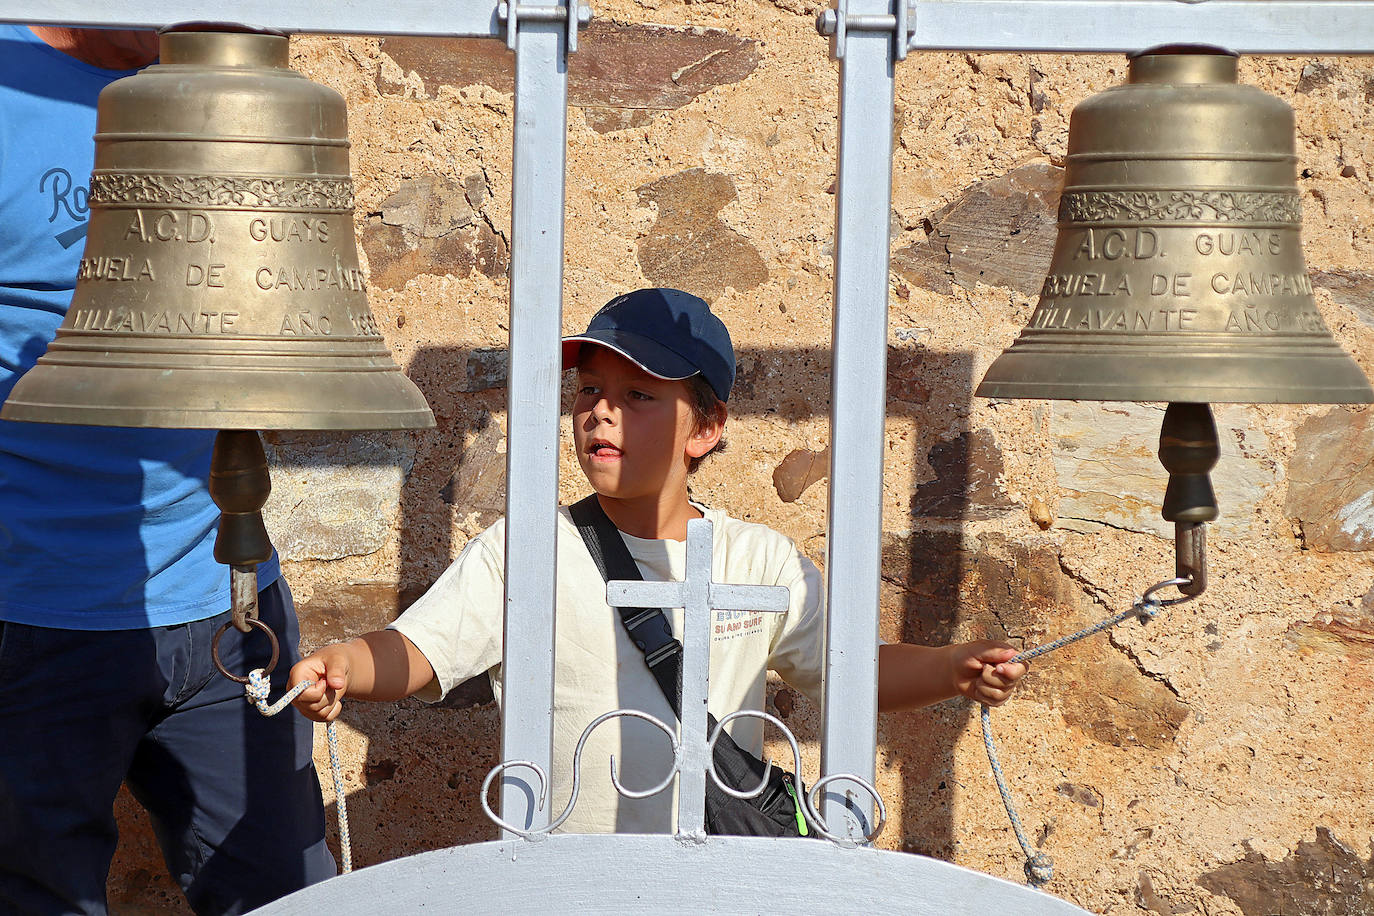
1096 521
1098 597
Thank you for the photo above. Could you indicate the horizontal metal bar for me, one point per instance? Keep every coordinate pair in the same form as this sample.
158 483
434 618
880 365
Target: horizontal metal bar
1244 26
771 599
624 593
1247 26
468 18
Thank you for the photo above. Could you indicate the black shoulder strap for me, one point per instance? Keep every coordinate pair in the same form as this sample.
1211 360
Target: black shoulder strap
648 628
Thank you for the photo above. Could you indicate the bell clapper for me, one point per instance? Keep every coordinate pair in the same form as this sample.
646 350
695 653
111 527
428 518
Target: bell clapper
239 485
1188 449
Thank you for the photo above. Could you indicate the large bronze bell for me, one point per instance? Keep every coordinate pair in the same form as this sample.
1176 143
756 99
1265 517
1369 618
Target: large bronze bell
1178 273
220 285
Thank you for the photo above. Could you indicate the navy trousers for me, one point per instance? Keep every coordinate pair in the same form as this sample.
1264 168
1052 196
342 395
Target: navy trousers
233 794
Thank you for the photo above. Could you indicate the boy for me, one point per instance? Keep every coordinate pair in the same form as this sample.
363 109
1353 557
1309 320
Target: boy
654 370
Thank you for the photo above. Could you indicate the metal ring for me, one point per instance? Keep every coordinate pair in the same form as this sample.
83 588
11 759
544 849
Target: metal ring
252 622
1148 597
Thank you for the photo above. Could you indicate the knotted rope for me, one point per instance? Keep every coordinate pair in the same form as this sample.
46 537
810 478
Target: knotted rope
257 689
1039 867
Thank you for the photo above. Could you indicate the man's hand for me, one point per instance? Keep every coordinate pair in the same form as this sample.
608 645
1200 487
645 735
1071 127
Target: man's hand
983 671
329 668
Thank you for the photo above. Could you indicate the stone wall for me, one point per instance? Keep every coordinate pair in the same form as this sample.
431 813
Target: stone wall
1212 762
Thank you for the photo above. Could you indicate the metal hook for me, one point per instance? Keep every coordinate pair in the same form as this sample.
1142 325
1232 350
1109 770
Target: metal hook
1148 599
543 792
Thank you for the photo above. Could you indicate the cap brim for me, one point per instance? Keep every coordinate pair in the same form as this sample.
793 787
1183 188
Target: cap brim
652 357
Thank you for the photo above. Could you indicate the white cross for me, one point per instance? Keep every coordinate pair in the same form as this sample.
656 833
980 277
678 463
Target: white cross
698 596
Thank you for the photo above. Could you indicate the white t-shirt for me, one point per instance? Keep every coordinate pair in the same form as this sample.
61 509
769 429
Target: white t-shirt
457 624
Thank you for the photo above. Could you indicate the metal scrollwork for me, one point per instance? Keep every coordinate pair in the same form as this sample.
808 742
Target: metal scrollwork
316 194
806 802
546 790
1165 206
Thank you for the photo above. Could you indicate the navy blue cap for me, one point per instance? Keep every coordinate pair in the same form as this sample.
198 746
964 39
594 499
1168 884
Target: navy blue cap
666 332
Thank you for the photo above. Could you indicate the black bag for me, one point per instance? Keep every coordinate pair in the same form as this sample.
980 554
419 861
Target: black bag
774 812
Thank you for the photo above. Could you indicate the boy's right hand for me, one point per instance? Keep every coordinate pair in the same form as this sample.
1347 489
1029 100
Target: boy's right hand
329 669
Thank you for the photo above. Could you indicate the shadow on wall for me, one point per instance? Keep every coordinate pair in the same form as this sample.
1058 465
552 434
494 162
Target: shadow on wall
425 764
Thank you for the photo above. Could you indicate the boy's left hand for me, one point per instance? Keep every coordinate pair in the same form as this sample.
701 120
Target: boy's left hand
983 671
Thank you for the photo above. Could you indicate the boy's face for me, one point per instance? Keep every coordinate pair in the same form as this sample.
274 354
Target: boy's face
634 433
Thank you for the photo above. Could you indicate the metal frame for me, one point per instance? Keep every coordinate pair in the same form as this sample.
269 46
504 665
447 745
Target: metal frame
467 18
1245 26
536 324
868 36
858 409
1124 26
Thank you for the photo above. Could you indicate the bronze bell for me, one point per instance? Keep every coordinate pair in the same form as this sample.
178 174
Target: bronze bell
1178 272
220 286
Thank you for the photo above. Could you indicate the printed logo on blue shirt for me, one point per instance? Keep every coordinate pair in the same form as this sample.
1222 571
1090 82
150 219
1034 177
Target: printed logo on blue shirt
67 196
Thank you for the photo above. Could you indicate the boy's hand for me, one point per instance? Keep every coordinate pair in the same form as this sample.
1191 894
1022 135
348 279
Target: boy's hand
983 671
329 669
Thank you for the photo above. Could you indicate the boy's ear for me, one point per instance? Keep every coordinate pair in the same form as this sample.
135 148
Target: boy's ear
705 437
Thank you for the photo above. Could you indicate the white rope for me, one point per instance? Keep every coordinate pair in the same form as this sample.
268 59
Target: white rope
257 690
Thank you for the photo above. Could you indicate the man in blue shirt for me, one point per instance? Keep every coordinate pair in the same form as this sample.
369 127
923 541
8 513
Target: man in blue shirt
109 590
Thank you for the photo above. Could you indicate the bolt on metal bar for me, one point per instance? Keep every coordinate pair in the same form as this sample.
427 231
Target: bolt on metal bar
465 18
512 14
857 412
1122 26
536 291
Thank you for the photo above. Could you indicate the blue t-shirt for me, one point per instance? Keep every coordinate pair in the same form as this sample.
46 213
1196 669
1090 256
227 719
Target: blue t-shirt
101 528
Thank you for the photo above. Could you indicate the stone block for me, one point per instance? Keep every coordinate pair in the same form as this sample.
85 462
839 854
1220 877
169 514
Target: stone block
1105 457
908 378
948 590
338 612
1347 632
999 232
334 495
478 482
1353 289
688 246
966 484
798 471
429 226
1323 877
486 368
1331 480
621 74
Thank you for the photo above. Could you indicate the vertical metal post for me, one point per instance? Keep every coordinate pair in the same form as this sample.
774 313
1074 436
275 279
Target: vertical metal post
536 292
857 411
696 660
